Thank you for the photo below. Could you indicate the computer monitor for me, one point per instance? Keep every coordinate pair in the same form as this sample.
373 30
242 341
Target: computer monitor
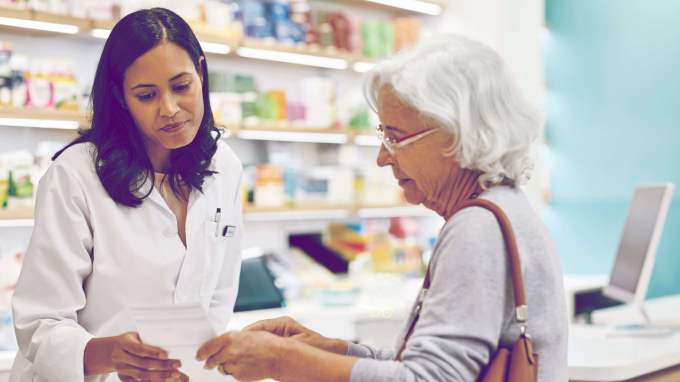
637 249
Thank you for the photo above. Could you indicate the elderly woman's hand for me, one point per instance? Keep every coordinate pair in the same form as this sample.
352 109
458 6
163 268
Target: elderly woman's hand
247 356
287 327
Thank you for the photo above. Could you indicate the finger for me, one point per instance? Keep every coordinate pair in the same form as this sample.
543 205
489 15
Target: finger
133 344
126 378
141 374
148 363
213 346
225 368
223 357
277 326
260 325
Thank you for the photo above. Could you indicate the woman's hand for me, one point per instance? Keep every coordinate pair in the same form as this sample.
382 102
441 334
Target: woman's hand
135 361
287 327
247 356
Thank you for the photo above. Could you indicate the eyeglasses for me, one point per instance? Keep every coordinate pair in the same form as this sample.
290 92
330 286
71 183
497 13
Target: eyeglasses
375 311
393 144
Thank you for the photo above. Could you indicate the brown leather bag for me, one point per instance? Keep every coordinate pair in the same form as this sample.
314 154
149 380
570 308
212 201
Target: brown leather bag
518 364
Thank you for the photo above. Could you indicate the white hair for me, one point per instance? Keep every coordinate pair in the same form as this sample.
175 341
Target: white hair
464 87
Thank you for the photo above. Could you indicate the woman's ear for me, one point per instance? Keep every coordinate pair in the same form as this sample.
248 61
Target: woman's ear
201 63
118 96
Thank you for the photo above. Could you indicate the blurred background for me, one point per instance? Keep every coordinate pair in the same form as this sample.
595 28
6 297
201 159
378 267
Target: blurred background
329 238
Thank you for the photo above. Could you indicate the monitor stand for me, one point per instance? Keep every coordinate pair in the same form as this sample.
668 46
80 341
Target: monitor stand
647 330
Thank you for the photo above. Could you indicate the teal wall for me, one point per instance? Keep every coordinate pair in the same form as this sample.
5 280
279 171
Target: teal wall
613 121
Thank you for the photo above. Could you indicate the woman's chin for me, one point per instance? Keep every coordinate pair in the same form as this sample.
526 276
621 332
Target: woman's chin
179 140
413 196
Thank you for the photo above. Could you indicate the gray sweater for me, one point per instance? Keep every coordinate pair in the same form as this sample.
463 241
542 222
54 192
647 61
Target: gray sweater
469 308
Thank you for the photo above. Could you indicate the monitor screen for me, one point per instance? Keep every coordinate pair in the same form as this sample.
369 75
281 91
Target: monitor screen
637 237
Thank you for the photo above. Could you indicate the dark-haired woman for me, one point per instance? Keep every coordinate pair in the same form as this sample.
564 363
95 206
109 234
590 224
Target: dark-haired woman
126 214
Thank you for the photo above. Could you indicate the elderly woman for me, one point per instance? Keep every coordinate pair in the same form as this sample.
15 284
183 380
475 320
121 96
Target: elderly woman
454 126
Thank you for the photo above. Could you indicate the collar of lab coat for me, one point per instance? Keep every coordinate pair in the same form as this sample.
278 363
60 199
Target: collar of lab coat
156 197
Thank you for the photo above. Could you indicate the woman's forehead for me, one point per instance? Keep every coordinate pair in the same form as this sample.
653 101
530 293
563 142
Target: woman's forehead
394 113
159 65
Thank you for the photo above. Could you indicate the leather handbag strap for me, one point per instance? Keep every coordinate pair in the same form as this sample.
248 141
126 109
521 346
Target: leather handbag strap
521 309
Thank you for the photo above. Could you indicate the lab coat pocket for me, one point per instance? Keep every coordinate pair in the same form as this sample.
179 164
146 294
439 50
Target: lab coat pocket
216 247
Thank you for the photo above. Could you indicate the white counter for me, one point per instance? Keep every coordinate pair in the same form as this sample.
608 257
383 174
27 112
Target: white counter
663 311
594 357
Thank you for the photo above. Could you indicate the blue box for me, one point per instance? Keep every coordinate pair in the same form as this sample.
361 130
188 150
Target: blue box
279 11
250 10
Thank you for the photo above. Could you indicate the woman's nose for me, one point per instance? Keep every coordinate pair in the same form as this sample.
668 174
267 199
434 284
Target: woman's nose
384 157
168 107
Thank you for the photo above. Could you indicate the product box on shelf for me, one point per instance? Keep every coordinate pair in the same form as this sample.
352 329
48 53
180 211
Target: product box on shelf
20 185
269 186
20 65
226 108
5 74
39 84
318 97
66 91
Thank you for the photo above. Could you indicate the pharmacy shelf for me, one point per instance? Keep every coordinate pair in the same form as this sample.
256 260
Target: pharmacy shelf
46 119
318 212
330 212
399 211
293 134
20 214
411 7
213 40
24 218
9 112
268 131
16 218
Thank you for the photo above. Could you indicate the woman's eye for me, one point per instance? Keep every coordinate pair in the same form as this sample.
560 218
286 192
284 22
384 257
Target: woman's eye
182 88
145 97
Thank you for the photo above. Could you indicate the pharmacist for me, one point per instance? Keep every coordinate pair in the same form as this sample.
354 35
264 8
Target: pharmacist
143 208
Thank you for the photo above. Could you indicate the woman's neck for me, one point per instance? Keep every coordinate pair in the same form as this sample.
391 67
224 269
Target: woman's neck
461 185
160 158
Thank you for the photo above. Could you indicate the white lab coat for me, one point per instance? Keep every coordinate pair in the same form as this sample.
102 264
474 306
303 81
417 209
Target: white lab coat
89 258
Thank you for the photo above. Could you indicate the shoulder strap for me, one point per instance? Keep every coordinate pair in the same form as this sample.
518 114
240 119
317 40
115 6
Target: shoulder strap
521 309
510 243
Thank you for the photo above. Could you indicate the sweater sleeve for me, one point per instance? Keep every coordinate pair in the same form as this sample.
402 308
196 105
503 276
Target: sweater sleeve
462 317
365 351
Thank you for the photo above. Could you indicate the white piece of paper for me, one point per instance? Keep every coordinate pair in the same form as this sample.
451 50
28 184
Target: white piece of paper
179 329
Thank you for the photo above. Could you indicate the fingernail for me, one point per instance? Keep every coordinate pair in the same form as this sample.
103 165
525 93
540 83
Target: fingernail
163 356
175 374
177 365
206 367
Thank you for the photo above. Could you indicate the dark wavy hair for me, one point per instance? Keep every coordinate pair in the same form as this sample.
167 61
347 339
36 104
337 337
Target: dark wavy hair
120 157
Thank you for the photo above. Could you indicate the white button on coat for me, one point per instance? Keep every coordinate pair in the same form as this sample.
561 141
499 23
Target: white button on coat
89 258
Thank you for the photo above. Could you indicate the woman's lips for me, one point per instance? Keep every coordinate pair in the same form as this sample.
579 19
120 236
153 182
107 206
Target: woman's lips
174 128
402 182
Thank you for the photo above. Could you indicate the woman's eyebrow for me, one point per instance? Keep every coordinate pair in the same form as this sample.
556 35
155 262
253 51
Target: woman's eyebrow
151 86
